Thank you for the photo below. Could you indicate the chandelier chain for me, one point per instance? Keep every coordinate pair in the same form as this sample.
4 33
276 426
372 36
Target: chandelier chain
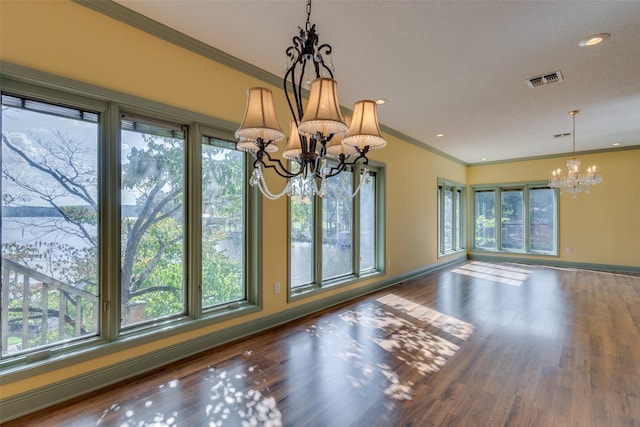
573 132
308 15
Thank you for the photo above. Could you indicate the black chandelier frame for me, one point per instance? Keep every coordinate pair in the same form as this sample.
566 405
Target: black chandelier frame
304 51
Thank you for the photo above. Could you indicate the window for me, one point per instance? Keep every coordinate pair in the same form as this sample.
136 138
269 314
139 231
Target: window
49 224
152 220
369 220
223 223
99 206
302 241
337 232
527 215
348 230
511 204
542 220
451 224
485 219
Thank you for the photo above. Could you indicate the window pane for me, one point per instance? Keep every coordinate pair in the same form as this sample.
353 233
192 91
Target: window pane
368 224
485 220
302 253
542 219
223 207
152 224
49 224
512 221
448 219
336 231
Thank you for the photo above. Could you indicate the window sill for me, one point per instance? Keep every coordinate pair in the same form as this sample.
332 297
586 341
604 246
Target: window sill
451 252
508 252
311 290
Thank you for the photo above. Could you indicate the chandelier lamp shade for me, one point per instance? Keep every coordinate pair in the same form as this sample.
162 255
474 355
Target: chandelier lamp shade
322 142
574 181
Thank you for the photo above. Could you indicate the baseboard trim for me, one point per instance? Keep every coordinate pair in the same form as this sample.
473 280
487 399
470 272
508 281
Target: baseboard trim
43 397
555 263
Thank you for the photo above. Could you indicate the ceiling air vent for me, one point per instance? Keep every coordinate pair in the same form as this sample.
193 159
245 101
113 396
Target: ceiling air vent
545 79
562 135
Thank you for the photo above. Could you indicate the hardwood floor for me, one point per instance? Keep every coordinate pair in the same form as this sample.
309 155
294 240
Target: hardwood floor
477 344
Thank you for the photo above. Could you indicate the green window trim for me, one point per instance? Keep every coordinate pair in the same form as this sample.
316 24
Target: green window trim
454 240
107 107
319 284
527 189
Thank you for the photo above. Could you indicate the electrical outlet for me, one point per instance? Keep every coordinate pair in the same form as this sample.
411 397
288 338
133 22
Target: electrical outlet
568 250
276 288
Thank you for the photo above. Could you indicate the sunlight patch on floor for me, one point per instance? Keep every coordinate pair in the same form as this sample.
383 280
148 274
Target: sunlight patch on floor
513 276
402 330
448 324
231 404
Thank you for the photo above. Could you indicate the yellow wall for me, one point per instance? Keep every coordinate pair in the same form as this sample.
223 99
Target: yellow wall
70 40
602 227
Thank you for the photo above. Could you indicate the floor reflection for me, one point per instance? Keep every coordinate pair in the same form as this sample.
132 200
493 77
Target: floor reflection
231 402
372 354
416 338
514 276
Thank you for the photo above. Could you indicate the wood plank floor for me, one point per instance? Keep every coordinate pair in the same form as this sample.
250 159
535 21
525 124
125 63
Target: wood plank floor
476 344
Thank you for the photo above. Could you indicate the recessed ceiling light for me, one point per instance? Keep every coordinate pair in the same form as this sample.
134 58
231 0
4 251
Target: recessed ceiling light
617 144
439 135
380 101
484 159
594 39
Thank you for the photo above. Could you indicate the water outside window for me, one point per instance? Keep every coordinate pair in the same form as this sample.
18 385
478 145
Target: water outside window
49 224
337 220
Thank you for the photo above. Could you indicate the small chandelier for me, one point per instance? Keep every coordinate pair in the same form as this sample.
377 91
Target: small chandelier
322 142
575 181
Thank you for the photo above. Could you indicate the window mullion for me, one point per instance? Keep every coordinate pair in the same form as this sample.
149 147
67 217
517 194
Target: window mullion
317 240
441 218
454 224
193 221
525 219
498 218
109 223
355 221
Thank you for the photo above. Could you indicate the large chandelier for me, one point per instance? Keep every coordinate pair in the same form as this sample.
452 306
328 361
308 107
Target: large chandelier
322 142
575 181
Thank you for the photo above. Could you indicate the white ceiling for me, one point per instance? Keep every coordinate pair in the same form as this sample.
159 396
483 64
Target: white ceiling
453 67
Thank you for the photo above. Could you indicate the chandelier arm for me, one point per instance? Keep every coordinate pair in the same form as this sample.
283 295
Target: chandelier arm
342 166
275 164
290 78
320 59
